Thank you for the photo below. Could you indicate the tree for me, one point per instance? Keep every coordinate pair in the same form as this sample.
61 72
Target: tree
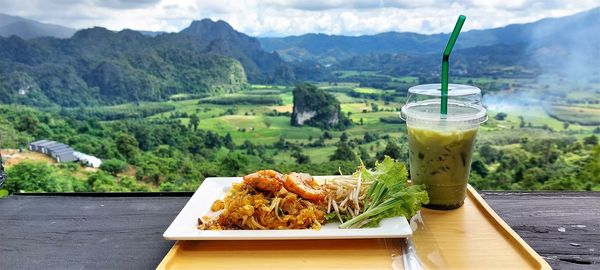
233 164
113 166
488 153
34 177
102 182
300 157
27 122
149 172
393 150
250 147
130 184
479 167
281 144
320 142
533 178
521 122
591 140
364 155
194 121
374 107
500 116
343 152
368 137
344 137
327 135
128 146
562 183
228 142
212 140
590 172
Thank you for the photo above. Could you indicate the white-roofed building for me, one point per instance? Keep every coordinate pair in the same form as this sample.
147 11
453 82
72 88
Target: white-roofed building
88 160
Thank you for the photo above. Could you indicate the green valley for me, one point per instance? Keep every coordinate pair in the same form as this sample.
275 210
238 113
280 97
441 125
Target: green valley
174 144
165 111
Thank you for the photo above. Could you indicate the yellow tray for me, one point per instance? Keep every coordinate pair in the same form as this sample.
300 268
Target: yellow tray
471 237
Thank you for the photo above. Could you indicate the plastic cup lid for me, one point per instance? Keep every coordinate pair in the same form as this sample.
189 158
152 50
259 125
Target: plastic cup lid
464 105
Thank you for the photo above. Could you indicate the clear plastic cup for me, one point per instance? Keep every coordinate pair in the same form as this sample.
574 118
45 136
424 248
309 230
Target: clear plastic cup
441 147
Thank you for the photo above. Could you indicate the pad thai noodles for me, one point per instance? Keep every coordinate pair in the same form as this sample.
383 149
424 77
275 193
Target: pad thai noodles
268 200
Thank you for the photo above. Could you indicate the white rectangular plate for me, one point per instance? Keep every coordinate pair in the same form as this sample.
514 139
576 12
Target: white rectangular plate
184 225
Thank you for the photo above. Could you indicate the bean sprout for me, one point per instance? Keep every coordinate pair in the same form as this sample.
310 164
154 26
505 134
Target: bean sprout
346 194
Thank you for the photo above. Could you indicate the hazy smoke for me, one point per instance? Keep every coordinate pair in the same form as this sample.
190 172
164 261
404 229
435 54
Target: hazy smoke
511 102
566 52
568 48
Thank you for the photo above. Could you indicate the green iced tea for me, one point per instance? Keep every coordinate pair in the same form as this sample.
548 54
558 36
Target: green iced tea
441 160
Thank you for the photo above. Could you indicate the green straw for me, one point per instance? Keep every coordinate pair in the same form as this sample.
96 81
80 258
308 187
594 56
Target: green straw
447 51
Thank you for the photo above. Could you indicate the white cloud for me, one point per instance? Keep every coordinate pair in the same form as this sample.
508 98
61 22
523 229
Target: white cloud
126 4
294 17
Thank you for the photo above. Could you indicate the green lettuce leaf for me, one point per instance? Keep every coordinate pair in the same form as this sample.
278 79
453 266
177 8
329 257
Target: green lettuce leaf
389 172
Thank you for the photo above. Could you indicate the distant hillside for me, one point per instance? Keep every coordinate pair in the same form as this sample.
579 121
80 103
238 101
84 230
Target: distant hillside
101 66
27 29
331 48
495 60
220 38
541 41
151 33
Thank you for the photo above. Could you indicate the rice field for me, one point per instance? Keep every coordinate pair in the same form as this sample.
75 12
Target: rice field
258 124
368 90
574 114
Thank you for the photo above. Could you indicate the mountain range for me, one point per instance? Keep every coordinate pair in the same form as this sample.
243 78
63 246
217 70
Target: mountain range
26 28
563 32
97 65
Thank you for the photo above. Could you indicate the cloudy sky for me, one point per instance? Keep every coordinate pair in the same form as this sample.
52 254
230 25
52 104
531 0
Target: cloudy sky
293 17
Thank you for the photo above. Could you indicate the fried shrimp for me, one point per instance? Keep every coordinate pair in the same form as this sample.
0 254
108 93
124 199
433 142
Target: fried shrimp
305 186
266 180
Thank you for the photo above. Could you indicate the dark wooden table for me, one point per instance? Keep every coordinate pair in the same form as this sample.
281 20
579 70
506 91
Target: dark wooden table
125 232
